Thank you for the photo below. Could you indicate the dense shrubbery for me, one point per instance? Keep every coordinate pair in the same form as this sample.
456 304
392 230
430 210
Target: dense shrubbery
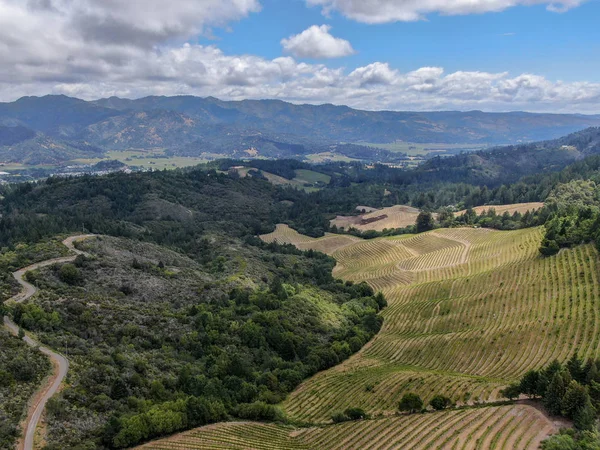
574 216
218 347
21 370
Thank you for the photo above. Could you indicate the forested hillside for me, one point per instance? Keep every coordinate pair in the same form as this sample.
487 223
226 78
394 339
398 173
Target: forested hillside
192 126
197 322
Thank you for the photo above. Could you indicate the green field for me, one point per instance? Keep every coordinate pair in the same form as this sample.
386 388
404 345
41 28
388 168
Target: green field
149 159
413 149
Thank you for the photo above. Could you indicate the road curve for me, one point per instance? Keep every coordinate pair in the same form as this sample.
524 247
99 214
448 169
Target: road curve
60 363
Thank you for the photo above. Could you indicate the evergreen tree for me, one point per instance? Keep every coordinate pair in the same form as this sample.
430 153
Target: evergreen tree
554 394
574 399
529 383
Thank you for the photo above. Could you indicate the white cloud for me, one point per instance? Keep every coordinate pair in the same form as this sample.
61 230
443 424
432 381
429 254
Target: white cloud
316 42
42 52
384 11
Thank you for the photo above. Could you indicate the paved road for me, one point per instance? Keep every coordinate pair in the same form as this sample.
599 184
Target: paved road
60 363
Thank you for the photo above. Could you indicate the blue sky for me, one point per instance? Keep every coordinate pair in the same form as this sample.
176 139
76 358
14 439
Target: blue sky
491 55
522 39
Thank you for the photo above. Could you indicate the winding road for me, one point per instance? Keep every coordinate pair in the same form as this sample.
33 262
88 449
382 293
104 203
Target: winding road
60 363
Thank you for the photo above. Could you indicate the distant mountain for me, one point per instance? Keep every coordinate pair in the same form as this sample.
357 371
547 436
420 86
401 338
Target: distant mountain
344 124
190 126
510 163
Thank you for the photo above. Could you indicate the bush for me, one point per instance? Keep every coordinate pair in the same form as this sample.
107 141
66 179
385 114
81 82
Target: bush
356 413
339 417
440 402
69 274
259 411
410 402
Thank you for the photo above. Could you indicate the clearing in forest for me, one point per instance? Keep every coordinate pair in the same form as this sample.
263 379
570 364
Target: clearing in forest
470 310
399 216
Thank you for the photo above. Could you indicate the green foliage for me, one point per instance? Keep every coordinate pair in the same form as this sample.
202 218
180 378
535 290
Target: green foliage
69 274
440 402
411 403
259 411
511 392
572 440
21 370
425 222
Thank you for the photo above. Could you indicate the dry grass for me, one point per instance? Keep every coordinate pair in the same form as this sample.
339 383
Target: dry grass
398 216
511 209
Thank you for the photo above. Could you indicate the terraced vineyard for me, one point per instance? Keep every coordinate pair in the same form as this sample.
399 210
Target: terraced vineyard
506 427
470 310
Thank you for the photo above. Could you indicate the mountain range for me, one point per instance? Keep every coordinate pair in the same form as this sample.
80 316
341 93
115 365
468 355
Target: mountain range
54 129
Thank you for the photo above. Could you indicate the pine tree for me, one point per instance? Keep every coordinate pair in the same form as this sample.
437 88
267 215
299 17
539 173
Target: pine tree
574 399
585 417
554 394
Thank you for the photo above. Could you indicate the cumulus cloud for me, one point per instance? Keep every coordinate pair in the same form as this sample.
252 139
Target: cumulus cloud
42 51
383 11
316 42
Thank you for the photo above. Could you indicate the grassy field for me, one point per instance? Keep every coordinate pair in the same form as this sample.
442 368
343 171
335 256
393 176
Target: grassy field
501 428
398 216
148 159
414 149
308 180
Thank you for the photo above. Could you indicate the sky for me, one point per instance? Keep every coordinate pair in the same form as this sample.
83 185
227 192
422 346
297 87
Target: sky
490 55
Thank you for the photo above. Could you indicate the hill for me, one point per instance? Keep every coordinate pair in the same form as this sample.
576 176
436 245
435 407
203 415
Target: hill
509 164
509 428
442 333
192 126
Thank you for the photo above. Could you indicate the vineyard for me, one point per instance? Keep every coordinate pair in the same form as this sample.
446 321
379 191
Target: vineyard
470 310
501 428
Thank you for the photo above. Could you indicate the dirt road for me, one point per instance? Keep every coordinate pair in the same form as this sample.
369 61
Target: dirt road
59 362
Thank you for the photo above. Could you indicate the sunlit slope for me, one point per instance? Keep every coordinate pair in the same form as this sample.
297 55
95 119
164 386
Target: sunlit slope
469 311
502 428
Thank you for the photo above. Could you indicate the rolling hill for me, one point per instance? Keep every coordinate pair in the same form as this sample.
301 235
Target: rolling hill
192 126
461 322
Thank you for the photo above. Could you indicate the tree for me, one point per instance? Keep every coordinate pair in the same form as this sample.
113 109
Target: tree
585 417
439 402
529 383
554 394
425 222
575 398
575 367
511 392
410 402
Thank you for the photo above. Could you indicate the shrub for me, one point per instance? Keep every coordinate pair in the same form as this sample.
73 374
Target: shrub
440 402
410 402
69 274
356 413
258 411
